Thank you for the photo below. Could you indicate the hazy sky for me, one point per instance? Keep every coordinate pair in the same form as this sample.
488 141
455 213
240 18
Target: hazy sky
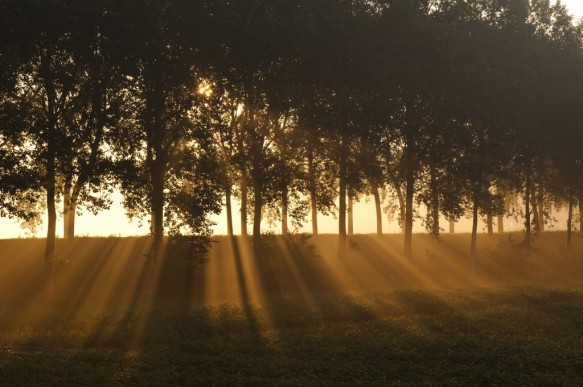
575 6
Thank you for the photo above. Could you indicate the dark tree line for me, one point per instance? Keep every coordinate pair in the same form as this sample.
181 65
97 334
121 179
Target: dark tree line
290 106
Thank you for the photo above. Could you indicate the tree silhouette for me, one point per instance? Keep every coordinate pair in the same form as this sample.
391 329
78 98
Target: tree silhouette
166 108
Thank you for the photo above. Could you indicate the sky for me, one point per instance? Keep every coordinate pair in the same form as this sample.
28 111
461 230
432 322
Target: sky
575 7
114 222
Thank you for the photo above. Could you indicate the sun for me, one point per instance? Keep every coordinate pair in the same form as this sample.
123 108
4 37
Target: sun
205 89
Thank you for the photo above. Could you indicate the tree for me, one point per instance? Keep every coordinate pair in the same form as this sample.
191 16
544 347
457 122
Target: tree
19 179
226 131
319 169
372 166
47 91
290 176
158 59
336 64
417 65
85 166
255 48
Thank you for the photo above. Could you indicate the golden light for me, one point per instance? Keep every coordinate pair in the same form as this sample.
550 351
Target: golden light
205 89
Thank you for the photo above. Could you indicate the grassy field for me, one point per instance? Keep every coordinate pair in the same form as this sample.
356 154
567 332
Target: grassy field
297 315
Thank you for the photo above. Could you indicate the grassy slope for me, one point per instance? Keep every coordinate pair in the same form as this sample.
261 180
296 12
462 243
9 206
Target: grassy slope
297 316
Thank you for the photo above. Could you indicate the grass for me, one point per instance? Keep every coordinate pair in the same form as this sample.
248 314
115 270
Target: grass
311 324
511 336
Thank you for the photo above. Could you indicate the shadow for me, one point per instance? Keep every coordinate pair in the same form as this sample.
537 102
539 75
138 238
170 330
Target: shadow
422 302
293 315
243 286
383 263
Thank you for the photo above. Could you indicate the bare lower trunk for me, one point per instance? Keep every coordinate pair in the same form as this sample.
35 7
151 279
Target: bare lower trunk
51 212
490 224
66 201
256 154
402 208
473 248
314 215
435 220
570 218
243 202
228 204
157 209
500 217
535 214
342 195
257 208
527 205
50 182
409 190
377 205
284 229
541 209
410 168
71 216
350 215
313 197
452 226
434 203
581 212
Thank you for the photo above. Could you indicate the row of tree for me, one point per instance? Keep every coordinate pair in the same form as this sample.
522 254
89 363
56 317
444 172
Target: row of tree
291 107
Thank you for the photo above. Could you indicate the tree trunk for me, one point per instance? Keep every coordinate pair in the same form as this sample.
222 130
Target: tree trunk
473 248
50 182
402 207
377 205
350 213
157 207
580 212
72 210
409 191
314 215
434 203
256 154
228 204
51 209
243 202
66 204
156 156
452 226
570 218
71 216
342 194
257 208
535 214
526 241
500 217
435 220
500 221
489 223
541 208
284 229
72 191
313 198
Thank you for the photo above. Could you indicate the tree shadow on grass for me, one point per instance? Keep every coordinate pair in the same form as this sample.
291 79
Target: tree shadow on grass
307 329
